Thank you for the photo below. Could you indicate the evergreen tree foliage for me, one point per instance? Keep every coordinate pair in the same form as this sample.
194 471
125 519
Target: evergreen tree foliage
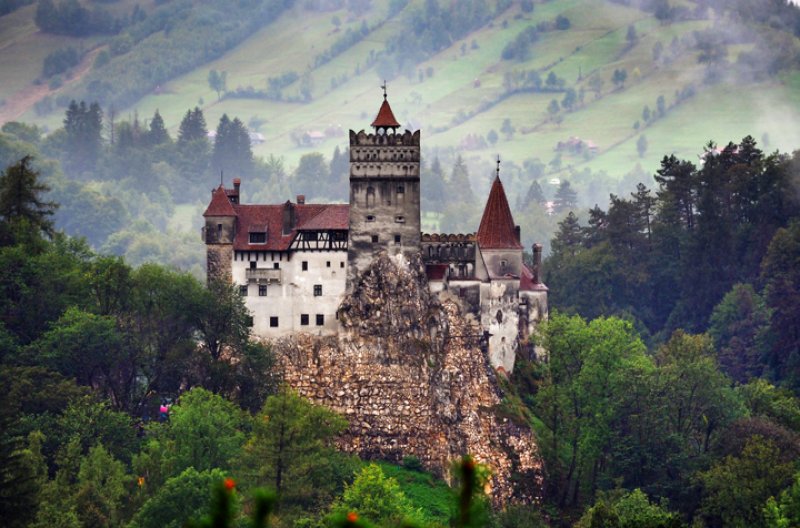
566 199
157 135
21 203
291 452
232 151
83 142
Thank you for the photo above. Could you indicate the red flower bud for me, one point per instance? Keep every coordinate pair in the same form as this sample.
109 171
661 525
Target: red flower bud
229 484
352 517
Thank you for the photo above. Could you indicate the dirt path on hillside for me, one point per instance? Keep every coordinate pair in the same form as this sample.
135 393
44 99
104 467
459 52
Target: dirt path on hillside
19 103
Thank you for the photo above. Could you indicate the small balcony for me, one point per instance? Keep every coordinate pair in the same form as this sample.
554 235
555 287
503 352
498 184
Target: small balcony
263 275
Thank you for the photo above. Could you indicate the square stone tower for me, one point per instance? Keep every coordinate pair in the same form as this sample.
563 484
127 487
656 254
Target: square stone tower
384 192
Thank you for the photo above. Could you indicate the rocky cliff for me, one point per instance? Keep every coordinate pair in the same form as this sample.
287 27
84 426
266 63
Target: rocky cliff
409 374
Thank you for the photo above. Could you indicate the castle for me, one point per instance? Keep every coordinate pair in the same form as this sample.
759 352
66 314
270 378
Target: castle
294 262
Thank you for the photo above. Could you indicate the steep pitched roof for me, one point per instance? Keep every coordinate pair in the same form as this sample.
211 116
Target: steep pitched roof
220 204
270 218
526 281
497 225
333 216
385 117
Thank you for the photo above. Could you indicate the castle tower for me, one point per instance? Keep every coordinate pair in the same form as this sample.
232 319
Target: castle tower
219 232
384 192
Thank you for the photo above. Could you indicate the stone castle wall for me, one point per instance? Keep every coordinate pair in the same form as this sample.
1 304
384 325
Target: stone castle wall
409 375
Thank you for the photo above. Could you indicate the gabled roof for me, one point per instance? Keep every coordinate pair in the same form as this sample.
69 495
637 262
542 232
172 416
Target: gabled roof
497 229
335 216
220 204
385 117
307 216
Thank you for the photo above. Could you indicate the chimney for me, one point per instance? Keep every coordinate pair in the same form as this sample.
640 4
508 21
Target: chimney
288 217
236 184
301 199
537 263
518 234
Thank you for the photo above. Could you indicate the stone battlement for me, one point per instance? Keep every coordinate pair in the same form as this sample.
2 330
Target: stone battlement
362 138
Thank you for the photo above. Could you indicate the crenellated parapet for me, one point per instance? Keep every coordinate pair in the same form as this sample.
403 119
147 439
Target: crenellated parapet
364 139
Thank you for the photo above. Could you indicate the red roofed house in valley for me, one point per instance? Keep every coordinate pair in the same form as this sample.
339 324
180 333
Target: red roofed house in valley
295 261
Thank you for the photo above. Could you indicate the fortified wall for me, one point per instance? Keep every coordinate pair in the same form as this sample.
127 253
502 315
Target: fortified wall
410 374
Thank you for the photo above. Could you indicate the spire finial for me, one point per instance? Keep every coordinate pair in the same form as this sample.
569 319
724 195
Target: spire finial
220 178
384 89
498 165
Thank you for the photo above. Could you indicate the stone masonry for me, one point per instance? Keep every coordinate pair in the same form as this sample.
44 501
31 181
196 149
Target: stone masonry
409 374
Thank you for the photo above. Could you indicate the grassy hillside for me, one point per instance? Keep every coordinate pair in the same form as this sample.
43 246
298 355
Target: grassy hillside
459 92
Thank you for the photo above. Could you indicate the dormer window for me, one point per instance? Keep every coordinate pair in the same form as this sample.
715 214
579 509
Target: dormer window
258 237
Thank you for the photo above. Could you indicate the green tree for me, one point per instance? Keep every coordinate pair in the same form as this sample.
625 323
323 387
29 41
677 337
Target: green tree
619 77
83 125
100 489
641 145
217 81
737 487
460 186
21 204
377 499
291 451
311 176
782 293
232 150
630 510
182 497
784 512
569 100
566 198
492 137
204 431
740 329
157 135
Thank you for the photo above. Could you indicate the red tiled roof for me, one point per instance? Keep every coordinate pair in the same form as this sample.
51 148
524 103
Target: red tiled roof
385 117
497 225
256 217
331 217
220 204
526 281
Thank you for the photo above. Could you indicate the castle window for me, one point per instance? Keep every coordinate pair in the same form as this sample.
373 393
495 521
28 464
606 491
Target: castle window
275 265
219 230
303 319
341 264
273 322
397 239
320 319
305 265
370 218
243 290
400 219
503 266
328 264
262 290
401 189
374 239
258 238
499 316
317 290
252 264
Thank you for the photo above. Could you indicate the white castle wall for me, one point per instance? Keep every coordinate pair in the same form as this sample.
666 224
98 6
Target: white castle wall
294 294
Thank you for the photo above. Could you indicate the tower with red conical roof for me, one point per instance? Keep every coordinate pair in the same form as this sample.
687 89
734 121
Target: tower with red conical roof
219 232
384 191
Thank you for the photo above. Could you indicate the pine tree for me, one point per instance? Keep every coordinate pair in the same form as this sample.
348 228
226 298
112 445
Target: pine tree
193 127
459 183
232 152
566 198
158 132
83 125
21 203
